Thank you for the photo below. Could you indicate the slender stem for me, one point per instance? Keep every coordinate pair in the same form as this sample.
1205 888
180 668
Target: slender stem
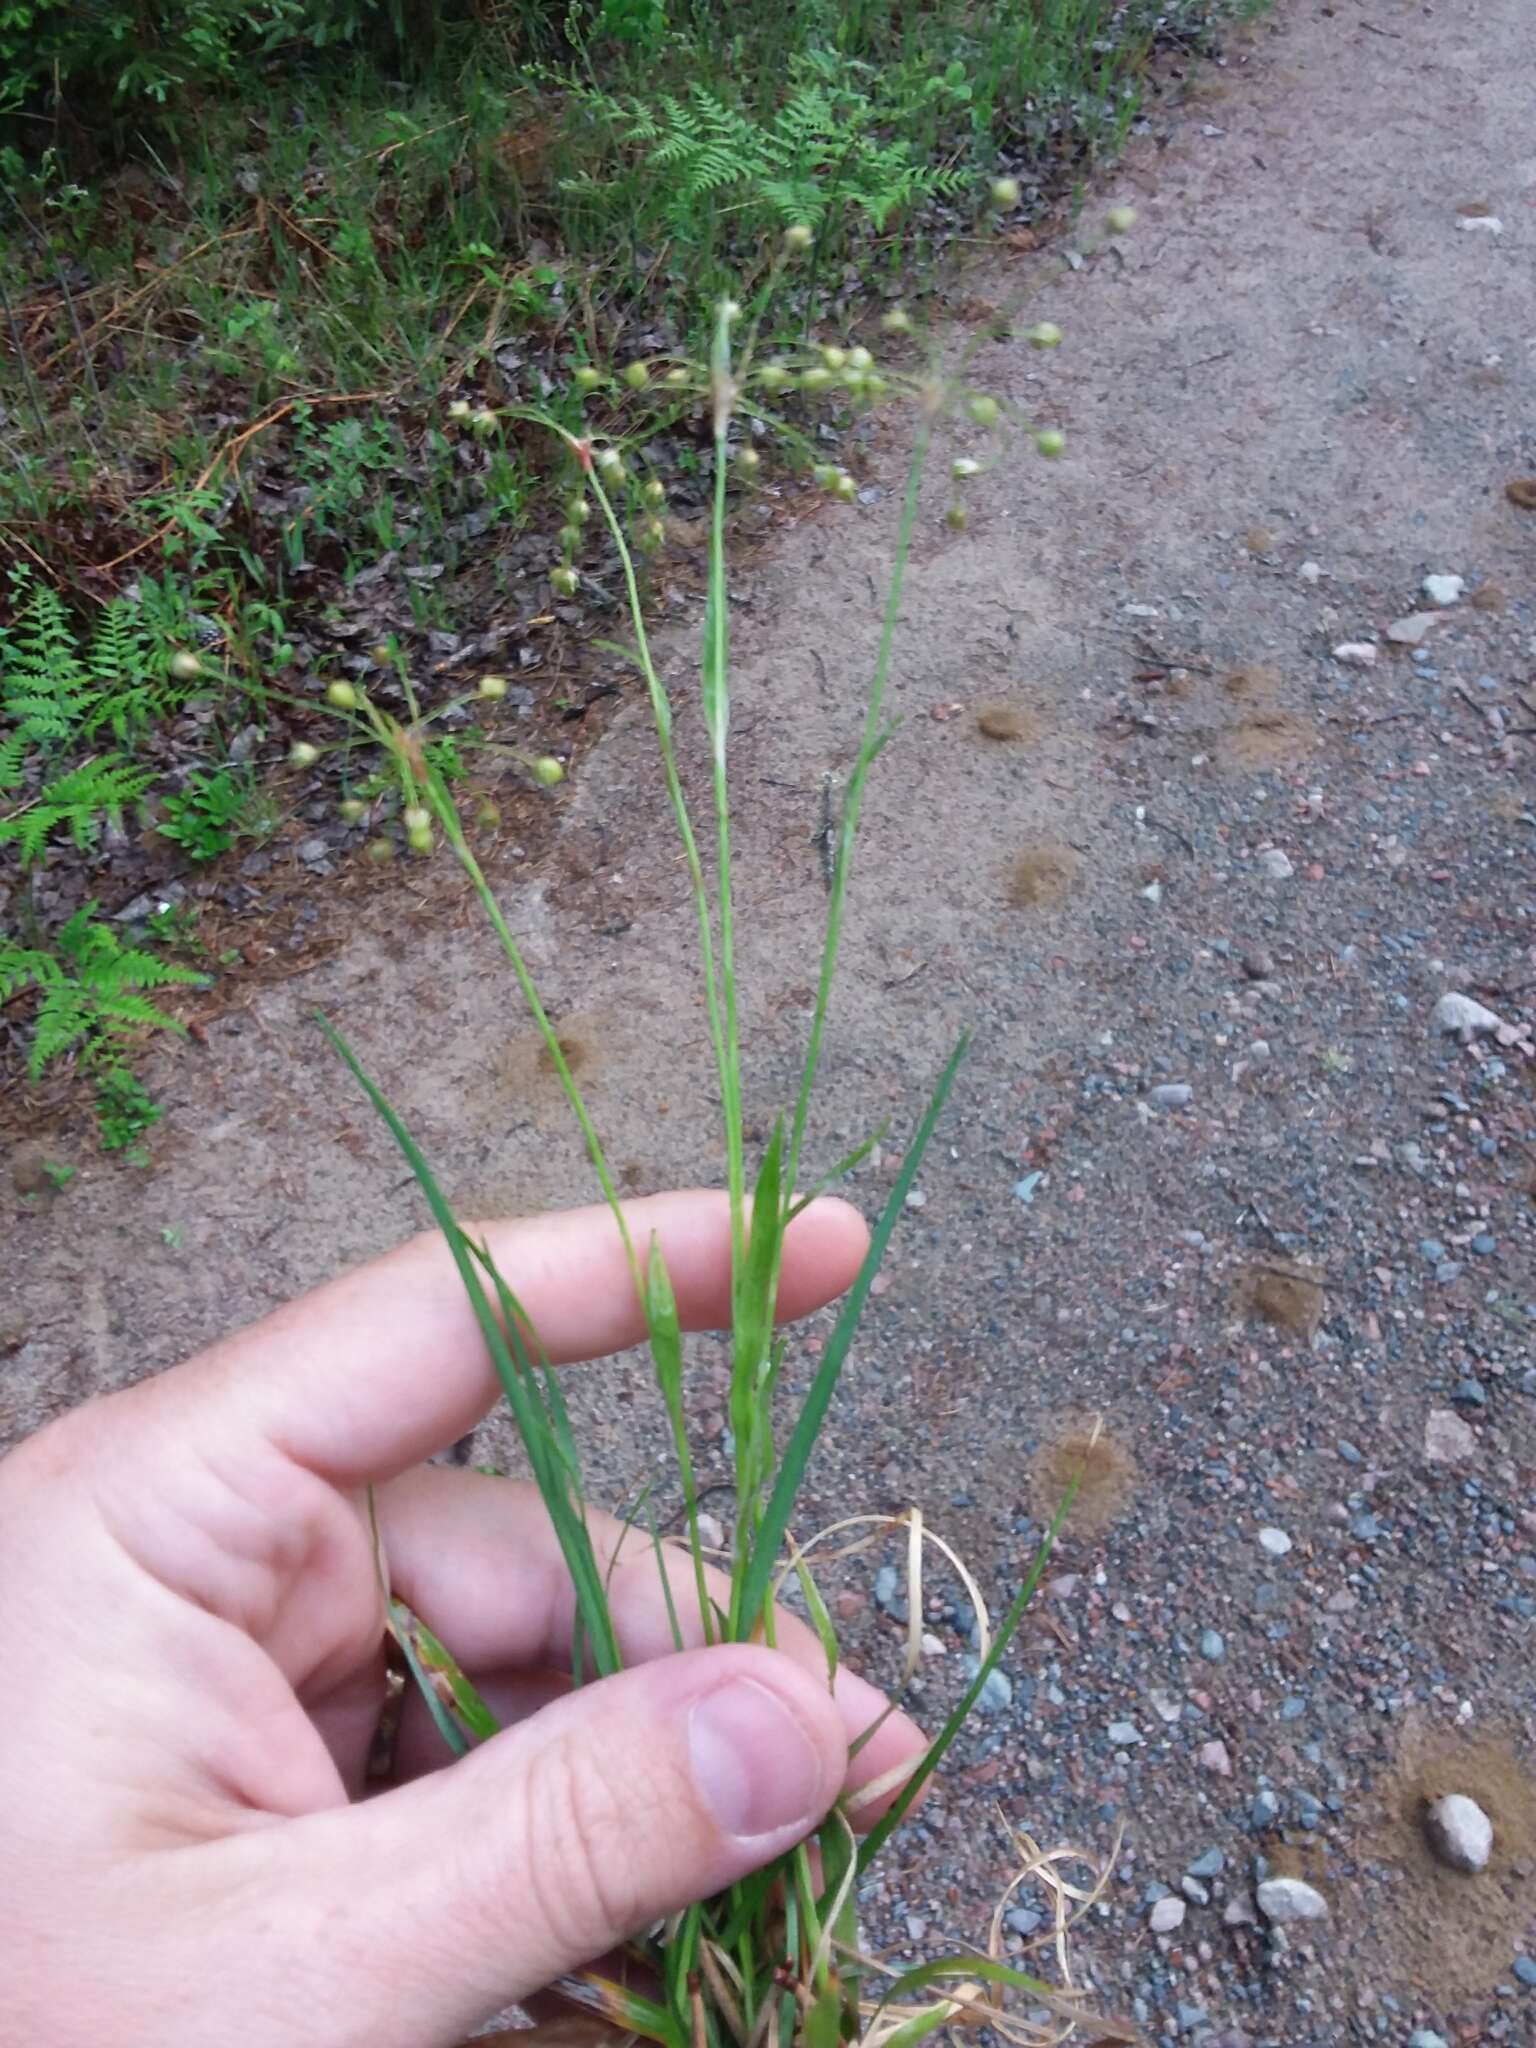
853 801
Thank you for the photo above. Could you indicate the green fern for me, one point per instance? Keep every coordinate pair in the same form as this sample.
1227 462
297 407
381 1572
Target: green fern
90 991
78 802
45 692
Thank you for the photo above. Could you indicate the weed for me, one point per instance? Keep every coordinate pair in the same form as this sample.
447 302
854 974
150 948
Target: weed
213 811
778 1955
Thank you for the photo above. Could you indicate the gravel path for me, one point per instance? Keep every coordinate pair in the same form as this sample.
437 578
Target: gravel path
1212 1173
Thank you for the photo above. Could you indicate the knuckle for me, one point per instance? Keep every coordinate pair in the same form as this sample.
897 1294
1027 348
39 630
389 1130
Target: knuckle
587 1824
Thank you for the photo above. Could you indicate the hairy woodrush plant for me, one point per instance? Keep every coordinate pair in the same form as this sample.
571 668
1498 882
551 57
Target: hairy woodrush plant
775 1959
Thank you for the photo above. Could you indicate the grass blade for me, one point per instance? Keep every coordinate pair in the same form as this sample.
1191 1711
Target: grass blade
768 1539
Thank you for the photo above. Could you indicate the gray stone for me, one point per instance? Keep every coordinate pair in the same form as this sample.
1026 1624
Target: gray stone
1525 1970
1447 1439
1171 1095
1210 1864
1274 865
1264 1810
1124 1734
1167 1915
1193 1890
1426 2037
1022 1920
1274 1542
1285 1900
1409 631
1212 1645
1468 1393
1459 1833
1457 1013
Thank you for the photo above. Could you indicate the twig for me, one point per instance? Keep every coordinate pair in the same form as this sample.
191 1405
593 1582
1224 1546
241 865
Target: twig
21 356
1172 831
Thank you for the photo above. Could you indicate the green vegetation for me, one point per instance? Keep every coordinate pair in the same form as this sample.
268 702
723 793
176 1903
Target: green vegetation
279 279
776 1958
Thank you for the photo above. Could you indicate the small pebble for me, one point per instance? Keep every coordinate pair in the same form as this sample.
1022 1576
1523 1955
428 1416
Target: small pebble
1022 1920
1285 1900
1447 1439
1194 1891
1274 865
1212 1645
1443 590
1210 1864
1171 1095
1469 1393
1525 1970
1459 1833
1356 653
1274 1542
1167 1915
1264 1810
1461 1014
1124 1734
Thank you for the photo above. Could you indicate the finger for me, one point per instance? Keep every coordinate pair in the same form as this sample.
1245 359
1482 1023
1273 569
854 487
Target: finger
386 1365
477 1558
555 1841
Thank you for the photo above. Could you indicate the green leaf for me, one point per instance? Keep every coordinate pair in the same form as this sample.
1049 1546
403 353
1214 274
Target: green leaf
769 1536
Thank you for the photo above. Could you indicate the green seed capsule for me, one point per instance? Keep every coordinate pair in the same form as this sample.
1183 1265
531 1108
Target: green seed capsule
798 238
185 666
1050 441
570 539
652 536
420 842
341 696
826 474
564 580
958 518
302 755
676 378
859 358
655 492
577 510
609 461
587 377
1120 219
416 818
352 810
748 461
834 357
548 770
984 411
775 377
460 409
380 851
637 375
875 386
1005 193
484 423
487 815
963 467
897 321
1044 334
817 378
491 687
845 488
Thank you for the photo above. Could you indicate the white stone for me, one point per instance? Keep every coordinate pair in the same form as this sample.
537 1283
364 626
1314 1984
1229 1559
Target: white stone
1481 223
1275 865
1311 572
1357 653
1459 1833
1410 631
1459 1013
1287 1899
1166 1705
932 1647
1443 590
1448 1440
1274 1542
1167 1915
711 1534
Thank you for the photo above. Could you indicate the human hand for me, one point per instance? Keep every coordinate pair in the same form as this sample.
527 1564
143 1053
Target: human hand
194 1669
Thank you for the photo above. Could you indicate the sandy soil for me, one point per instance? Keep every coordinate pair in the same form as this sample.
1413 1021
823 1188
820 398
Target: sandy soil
1311 353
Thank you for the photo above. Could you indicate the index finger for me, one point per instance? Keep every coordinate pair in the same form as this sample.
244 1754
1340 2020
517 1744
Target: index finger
380 1368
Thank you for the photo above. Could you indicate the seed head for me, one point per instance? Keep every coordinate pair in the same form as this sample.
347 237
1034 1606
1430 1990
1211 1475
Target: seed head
570 539
564 580
484 423
637 375
381 654
587 376
341 696
962 467
775 377
548 770
958 518
826 474
874 385
1050 441
416 818
730 311
655 492
652 536
487 814
817 378
1044 334
1120 219
897 321
1005 193
420 840
748 461
845 487
984 411
491 687
859 358
577 510
834 357
676 377
610 462
798 238
380 851
185 666
302 755
460 409
352 810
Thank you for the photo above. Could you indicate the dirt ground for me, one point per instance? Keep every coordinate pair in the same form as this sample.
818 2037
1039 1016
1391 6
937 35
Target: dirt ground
1303 388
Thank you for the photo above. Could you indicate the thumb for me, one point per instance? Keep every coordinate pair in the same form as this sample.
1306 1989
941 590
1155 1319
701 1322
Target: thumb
559 1838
